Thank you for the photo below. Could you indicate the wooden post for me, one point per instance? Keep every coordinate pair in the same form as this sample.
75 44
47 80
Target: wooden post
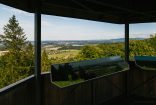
126 57
127 42
38 55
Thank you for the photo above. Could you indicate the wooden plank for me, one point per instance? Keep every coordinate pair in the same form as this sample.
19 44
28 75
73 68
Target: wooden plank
20 94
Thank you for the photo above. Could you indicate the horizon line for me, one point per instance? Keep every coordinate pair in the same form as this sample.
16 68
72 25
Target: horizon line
87 39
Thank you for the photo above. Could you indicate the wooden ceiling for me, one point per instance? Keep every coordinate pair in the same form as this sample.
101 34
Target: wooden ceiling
112 11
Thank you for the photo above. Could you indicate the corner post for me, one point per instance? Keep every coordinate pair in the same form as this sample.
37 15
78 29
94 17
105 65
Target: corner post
38 89
126 59
127 42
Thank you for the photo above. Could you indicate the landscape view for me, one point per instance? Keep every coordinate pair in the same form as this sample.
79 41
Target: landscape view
17 49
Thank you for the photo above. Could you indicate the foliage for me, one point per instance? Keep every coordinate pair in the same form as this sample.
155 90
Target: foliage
90 52
45 62
137 47
14 37
141 48
112 49
152 41
19 61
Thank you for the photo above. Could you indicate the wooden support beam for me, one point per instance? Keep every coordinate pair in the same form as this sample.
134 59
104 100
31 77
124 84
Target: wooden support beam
127 42
127 59
82 5
38 55
121 8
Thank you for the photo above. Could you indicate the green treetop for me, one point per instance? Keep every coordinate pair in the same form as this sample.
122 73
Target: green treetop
14 38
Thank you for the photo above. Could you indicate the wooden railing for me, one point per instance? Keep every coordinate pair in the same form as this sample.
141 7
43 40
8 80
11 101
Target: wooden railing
141 82
92 92
19 93
134 82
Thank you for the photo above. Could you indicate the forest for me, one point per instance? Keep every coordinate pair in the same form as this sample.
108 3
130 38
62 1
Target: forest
18 62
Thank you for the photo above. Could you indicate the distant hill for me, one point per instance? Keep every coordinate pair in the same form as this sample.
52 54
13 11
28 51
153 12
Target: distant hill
123 39
75 43
83 42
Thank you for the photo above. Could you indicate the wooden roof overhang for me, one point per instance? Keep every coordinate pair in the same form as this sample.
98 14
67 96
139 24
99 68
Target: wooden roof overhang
112 11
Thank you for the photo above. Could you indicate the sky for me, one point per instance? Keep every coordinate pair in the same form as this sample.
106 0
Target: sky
62 28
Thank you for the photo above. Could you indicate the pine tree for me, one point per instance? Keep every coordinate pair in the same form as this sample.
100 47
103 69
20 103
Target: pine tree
17 63
14 38
45 62
27 57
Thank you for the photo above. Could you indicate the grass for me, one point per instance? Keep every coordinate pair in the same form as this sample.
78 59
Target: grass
67 83
65 54
105 70
98 71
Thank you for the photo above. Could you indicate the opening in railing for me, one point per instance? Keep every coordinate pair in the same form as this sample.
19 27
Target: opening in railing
142 40
16 45
66 40
75 72
69 40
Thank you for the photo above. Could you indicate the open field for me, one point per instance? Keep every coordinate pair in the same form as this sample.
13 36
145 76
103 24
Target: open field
64 54
3 52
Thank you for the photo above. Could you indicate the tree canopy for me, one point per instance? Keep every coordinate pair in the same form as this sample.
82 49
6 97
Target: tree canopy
17 63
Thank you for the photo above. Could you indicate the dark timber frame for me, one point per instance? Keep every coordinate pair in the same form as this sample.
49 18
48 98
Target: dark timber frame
38 57
126 56
38 54
127 42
